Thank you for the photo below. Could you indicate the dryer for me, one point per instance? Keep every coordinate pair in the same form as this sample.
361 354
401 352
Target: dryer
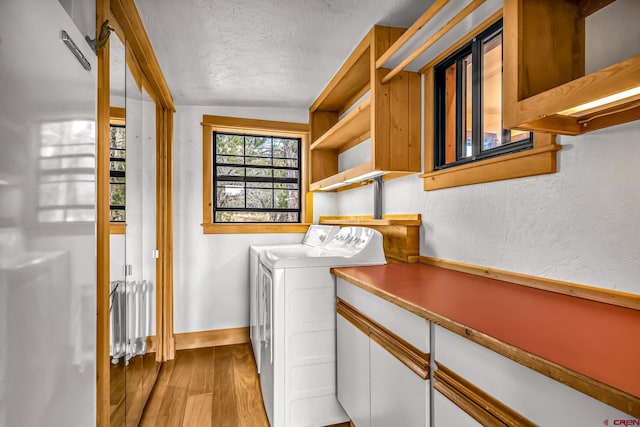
316 236
298 326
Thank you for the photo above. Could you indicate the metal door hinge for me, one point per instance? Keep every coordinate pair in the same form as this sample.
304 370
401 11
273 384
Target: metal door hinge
155 254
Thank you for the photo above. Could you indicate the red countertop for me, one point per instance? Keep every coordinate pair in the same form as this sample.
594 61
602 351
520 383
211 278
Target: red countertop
598 340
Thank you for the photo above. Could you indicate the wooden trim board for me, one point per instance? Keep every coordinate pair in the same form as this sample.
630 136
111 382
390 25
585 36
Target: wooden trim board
607 296
212 338
103 216
480 405
129 21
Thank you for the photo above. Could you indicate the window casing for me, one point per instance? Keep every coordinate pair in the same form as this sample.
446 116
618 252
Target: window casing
257 178
264 128
468 104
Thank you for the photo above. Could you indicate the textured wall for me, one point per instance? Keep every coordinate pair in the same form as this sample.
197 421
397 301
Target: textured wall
211 279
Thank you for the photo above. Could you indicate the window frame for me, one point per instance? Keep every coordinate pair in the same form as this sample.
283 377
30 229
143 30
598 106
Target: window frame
539 159
117 117
234 125
216 178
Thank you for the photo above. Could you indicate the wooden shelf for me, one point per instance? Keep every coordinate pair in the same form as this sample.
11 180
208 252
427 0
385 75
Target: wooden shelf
351 127
539 95
341 177
428 37
390 219
348 81
390 116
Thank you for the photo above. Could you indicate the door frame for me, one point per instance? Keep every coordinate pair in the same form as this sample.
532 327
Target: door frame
123 16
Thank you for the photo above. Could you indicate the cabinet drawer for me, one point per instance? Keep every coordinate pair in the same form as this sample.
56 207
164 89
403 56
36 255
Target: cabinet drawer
408 326
535 396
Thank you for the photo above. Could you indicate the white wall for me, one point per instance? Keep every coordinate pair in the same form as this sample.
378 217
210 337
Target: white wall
211 279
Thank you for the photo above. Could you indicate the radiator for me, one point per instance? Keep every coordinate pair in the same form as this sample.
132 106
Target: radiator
130 319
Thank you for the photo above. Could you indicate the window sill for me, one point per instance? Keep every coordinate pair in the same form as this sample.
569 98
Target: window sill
254 228
116 227
536 161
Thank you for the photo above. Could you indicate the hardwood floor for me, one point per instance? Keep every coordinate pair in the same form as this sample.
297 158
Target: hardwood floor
215 386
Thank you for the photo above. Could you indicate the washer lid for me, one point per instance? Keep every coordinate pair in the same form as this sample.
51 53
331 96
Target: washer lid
351 246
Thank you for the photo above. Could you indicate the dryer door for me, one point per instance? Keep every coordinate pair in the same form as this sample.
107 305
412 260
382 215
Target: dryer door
266 358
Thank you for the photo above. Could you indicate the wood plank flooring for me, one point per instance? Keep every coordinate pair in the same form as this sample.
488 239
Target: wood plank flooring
215 386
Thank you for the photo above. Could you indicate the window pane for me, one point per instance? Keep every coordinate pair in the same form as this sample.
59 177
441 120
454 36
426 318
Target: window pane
230 160
285 148
229 171
117 215
240 216
466 150
229 144
230 194
492 93
261 173
258 146
286 199
118 194
450 114
258 198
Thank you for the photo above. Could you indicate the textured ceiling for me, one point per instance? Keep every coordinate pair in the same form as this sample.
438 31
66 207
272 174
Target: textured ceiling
274 53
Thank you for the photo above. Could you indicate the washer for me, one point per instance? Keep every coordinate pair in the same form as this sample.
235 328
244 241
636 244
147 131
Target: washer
316 236
298 326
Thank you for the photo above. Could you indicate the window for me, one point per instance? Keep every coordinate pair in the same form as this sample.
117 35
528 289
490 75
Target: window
117 170
254 176
465 141
256 179
469 104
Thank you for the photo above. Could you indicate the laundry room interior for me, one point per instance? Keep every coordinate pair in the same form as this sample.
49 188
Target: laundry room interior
319 213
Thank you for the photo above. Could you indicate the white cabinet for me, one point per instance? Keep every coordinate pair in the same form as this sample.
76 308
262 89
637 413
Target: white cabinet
399 397
382 361
353 372
537 397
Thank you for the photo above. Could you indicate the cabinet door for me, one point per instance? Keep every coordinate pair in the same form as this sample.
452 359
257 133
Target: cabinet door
353 372
446 413
399 397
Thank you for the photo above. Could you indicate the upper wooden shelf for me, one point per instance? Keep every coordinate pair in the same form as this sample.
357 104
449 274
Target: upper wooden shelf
353 125
348 81
355 107
554 95
439 27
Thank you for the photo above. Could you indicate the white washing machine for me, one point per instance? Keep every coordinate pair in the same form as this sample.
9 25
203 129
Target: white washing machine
298 326
316 236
